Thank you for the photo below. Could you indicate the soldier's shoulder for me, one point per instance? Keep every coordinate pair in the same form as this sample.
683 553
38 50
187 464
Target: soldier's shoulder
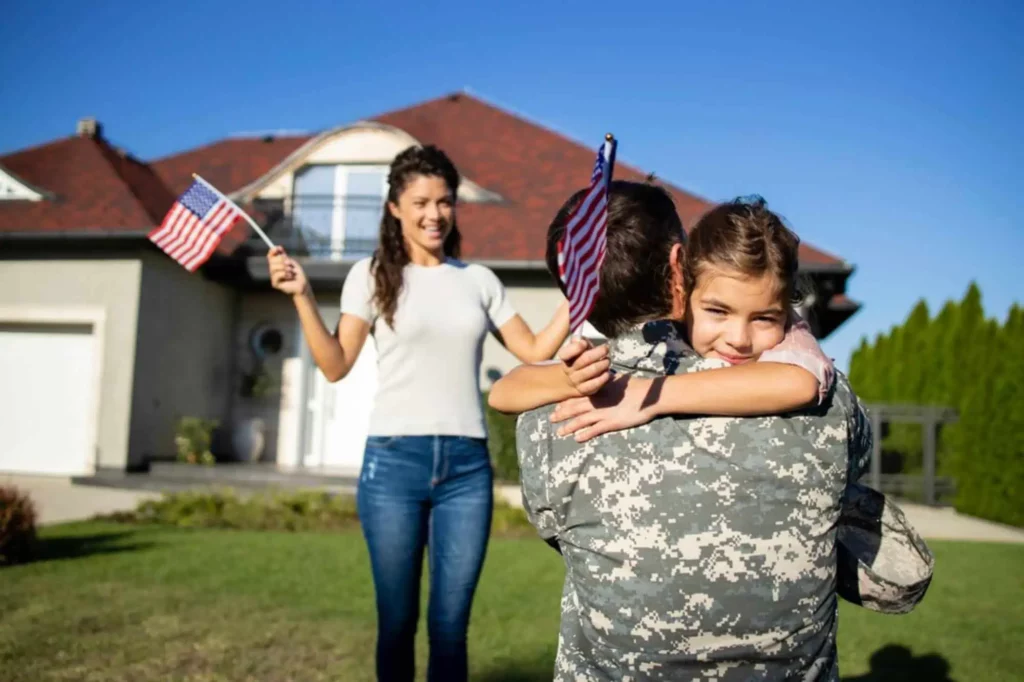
843 390
536 414
533 420
686 361
841 399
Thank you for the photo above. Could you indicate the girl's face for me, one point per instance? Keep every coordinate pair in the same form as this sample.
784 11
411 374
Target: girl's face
735 317
426 210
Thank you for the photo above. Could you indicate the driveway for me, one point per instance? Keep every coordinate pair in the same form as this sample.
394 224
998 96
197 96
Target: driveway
58 500
944 523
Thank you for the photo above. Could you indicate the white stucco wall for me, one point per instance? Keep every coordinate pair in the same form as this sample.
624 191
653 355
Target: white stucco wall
111 286
281 408
183 362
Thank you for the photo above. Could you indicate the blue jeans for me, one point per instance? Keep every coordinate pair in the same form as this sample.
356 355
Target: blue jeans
417 491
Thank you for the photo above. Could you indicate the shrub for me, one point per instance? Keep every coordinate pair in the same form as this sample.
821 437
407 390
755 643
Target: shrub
510 521
501 432
17 526
273 510
292 510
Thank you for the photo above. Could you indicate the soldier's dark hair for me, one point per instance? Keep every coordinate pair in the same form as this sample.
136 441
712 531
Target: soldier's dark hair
635 279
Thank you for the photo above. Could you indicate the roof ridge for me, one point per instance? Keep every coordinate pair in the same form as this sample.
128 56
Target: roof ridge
521 115
115 157
189 150
409 107
36 147
233 137
271 133
470 94
528 119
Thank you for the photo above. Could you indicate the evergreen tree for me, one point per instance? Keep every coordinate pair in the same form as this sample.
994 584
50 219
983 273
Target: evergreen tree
966 351
1006 497
907 383
961 360
860 361
940 355
911 372
880 371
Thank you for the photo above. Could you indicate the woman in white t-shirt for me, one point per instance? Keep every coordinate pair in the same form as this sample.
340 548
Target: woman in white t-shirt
426 478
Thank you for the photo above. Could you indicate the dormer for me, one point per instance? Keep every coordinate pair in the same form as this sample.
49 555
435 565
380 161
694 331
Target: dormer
331 191
14 189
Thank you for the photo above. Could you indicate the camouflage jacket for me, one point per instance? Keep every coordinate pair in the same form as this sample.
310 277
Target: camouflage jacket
696 548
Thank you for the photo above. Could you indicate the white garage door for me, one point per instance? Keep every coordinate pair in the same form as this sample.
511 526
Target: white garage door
47 398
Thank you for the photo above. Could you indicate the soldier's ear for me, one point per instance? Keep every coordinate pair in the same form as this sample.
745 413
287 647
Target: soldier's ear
676 291
675 256
675 261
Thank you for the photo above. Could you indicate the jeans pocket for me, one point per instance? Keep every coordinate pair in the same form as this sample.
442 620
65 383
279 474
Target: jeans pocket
397 458
468 456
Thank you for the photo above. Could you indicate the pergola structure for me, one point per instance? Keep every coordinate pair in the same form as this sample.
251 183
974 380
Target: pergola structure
931 418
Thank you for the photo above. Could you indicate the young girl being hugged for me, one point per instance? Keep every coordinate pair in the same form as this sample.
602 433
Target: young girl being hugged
735 277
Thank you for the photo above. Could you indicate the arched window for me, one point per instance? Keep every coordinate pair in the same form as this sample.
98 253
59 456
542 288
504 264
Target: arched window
338 208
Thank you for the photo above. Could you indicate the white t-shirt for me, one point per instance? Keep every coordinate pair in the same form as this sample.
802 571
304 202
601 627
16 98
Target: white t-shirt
428 366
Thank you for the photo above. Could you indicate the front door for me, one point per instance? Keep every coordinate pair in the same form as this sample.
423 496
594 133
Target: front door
338 414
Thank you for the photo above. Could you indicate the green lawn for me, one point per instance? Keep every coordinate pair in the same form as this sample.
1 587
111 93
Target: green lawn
115 602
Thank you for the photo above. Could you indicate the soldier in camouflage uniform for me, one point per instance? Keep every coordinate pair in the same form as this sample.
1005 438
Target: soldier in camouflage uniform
695 548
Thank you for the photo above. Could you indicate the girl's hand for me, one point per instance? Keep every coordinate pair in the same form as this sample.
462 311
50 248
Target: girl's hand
286 275
586 368
624 403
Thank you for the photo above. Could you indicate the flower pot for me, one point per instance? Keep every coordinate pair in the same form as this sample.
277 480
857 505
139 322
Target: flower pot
248 440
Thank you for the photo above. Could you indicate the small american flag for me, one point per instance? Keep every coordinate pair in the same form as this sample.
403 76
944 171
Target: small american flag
581 249
195 225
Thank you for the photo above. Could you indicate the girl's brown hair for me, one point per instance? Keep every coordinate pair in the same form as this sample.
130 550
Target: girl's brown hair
743 235
642 229
391 256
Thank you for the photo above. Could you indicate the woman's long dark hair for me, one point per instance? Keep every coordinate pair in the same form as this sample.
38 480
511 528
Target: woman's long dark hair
391 255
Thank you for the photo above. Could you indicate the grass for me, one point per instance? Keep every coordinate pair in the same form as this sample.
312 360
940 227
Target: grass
115 602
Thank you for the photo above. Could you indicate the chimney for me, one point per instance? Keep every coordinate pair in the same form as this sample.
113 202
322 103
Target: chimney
89 127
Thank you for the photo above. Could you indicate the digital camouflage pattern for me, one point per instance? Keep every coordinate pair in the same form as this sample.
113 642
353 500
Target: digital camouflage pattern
884 565
700 548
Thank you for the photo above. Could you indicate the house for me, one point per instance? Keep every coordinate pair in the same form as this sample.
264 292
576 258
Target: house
105 342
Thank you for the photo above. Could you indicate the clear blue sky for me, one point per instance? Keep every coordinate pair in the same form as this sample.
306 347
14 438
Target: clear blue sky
888 135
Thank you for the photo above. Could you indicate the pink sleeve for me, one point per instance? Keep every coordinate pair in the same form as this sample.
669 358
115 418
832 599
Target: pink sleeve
800 348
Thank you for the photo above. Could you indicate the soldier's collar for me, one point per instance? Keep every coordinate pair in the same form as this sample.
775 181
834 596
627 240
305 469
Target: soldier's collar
649 346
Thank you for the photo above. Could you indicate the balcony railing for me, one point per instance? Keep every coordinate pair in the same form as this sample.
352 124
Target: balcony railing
332 227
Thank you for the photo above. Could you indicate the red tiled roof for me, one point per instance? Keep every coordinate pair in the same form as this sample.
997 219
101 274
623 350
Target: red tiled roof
534 169
94 187
842 302
228 164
